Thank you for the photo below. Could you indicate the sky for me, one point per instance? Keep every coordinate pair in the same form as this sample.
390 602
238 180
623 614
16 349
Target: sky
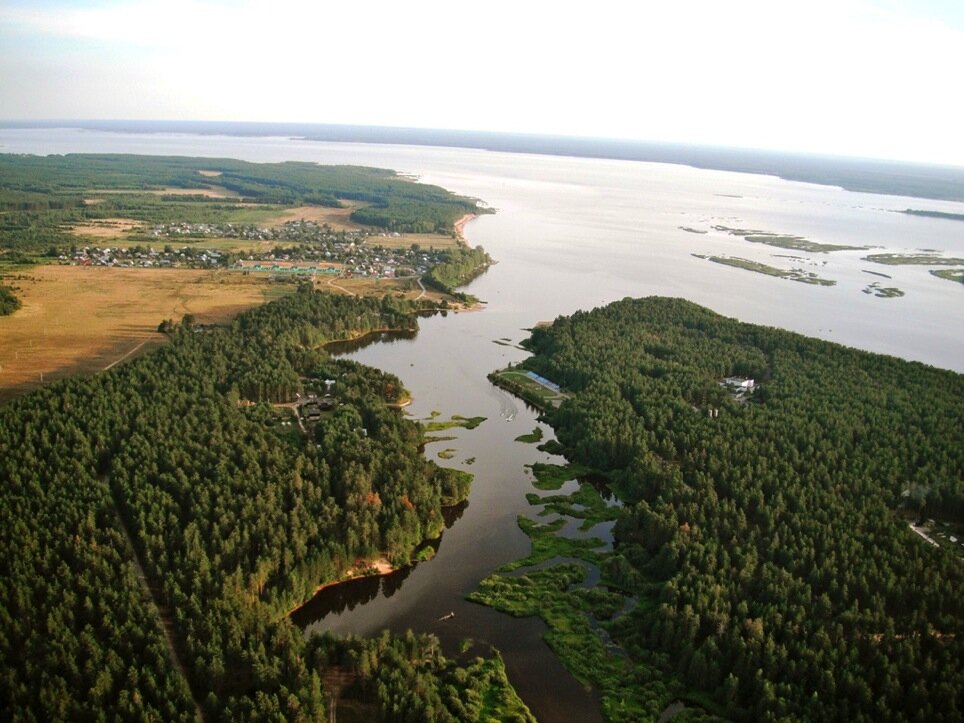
865 78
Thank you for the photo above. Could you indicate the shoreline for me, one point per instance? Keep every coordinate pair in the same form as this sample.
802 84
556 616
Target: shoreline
460 228
381 565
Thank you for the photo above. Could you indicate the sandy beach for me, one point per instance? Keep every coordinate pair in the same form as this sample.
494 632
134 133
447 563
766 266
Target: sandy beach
460 227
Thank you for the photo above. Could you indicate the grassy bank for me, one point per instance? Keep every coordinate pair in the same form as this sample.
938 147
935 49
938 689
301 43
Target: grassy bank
517 382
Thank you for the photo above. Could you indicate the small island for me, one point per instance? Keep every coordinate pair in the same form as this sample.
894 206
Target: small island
949 274
919 259
804 277
786 241
934 214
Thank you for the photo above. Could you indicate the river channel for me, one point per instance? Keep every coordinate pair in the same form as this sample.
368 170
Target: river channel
573 234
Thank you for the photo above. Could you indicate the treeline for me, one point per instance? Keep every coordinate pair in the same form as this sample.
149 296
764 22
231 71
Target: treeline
9 301
235 519
40 194
767 542
461 266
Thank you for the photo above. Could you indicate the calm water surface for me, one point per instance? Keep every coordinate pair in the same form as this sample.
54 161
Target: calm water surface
573 234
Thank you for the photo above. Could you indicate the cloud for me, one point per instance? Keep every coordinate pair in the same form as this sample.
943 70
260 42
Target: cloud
830 75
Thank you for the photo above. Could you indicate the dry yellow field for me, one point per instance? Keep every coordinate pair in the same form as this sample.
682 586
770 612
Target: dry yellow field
82 320
107 228
337 218
428 240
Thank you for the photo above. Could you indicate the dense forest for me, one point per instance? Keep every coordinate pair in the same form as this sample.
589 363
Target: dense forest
461 266
169 498
764 545
409 676
39 195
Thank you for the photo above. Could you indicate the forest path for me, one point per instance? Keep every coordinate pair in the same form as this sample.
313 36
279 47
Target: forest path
332 284
120 359
162 615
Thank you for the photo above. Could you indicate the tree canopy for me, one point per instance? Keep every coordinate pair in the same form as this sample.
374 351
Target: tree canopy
234 517
765 538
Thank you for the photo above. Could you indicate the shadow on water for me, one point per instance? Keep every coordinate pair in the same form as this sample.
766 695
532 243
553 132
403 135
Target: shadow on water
361 590
602 487
348 595
351 346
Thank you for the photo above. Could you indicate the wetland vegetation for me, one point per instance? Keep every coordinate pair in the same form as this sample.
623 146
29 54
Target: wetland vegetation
533 437
804 277
949 274
883 292
786 241
456 421
921 259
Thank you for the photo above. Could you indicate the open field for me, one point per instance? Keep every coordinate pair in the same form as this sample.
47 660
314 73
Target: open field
81 320
209 192
523 386
368 286
337 218
270 216
107 228
240 245
425 240
428 240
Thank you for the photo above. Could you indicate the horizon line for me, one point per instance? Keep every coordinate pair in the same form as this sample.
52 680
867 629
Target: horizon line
478 133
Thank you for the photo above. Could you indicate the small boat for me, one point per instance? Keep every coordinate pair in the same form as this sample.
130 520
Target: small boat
446 617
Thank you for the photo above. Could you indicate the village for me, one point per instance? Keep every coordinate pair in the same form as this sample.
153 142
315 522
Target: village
314 249
299 231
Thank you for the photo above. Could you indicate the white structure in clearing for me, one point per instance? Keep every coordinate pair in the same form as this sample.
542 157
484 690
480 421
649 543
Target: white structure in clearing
738 384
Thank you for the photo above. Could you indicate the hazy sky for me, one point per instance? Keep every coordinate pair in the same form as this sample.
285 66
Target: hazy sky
877 78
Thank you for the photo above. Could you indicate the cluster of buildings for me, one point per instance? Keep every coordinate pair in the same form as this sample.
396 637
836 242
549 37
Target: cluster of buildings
299 231
349 261
314 249
146 258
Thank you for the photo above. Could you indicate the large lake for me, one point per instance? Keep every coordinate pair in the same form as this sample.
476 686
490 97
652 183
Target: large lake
572 234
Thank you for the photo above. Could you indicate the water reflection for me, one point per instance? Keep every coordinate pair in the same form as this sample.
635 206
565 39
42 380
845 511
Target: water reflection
601 484
348 595
350 346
